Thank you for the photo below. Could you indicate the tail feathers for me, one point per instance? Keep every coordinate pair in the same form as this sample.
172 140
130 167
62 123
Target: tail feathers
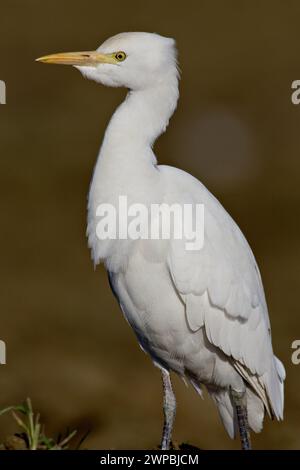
273 381
255 382
264 393
226 409
255 410
223 401
269 387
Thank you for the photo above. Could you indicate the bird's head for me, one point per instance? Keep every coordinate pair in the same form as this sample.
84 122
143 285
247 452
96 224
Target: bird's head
132 60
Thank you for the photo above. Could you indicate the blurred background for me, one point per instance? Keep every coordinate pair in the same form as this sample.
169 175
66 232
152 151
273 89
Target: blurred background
236 129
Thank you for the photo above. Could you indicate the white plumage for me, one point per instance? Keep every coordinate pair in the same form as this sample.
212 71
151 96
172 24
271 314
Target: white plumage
201 314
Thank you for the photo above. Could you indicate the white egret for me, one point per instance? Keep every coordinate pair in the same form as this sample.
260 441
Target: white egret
201 314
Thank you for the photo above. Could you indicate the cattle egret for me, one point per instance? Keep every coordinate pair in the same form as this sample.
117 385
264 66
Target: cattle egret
201 314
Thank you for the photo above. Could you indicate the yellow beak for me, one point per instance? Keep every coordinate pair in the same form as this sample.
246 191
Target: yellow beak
87 58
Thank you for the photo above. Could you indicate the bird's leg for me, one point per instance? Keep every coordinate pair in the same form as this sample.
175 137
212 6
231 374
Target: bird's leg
169 410
239 399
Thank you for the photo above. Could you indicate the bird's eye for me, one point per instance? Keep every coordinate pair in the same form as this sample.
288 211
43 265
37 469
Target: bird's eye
120 56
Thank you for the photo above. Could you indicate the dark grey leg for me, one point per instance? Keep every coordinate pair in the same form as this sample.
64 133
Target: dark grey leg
239 399
169 410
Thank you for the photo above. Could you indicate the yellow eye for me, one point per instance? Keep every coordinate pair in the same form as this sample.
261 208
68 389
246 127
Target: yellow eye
120 56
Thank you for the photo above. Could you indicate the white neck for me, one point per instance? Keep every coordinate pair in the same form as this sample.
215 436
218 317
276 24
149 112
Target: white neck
133 129
126 164
142 117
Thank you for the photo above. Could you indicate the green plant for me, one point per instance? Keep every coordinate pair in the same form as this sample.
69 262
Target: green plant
33 436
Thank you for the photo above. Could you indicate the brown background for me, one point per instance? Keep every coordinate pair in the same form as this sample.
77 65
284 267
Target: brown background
68 347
